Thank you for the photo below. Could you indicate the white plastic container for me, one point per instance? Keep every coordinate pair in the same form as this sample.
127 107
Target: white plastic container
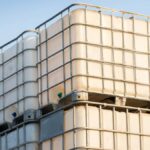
18 78
95 52
98 126
24 137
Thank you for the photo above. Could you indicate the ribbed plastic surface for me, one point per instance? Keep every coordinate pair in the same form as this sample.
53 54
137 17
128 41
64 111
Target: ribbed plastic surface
98 126
18 78
97 52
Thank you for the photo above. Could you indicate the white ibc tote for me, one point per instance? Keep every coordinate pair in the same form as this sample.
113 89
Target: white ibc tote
94 49
18 76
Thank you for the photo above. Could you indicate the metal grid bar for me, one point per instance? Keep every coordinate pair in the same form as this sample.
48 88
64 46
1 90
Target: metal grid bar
17 71
40 69
114 131
112 54
92 6
15 56
17 128
140 130
86 48
47 84
63 51
148 41
114 128
70 41
134 57
127 128
132 66
23 145
74 124
20 35
123 55
99 27
122 13
101 52
3 84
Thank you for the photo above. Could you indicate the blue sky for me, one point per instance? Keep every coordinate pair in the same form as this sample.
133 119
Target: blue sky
19 15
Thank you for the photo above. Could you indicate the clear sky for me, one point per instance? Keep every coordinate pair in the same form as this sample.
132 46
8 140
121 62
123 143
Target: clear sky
19 15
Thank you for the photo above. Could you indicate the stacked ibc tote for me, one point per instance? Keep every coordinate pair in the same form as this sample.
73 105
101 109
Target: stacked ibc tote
80 80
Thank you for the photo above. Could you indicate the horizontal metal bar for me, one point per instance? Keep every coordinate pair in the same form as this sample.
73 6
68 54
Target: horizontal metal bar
93 6
100 129
20 100
24 144
18 126
89 76
22 84
59 13
100 27
97 45
96 61
20 35
94 26
16 73
20 53
76 103
88 148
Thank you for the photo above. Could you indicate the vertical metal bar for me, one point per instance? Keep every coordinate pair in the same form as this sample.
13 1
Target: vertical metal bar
23 78
112 50
0 141
87 124
74 126
51 145
36 48
70 43
134 53
148 42
140 130
3 85
46 37
17 75
100 125
86 47
114 128
123 56
18 137
62 26
6 141
127 129
40 70
23 71
25 138
63 43
101 52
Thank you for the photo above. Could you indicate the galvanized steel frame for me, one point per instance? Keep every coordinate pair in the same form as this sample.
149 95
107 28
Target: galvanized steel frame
16 41
21 125
68 11
114 131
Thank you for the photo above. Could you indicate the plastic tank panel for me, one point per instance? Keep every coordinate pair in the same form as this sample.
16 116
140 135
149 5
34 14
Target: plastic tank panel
19 78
